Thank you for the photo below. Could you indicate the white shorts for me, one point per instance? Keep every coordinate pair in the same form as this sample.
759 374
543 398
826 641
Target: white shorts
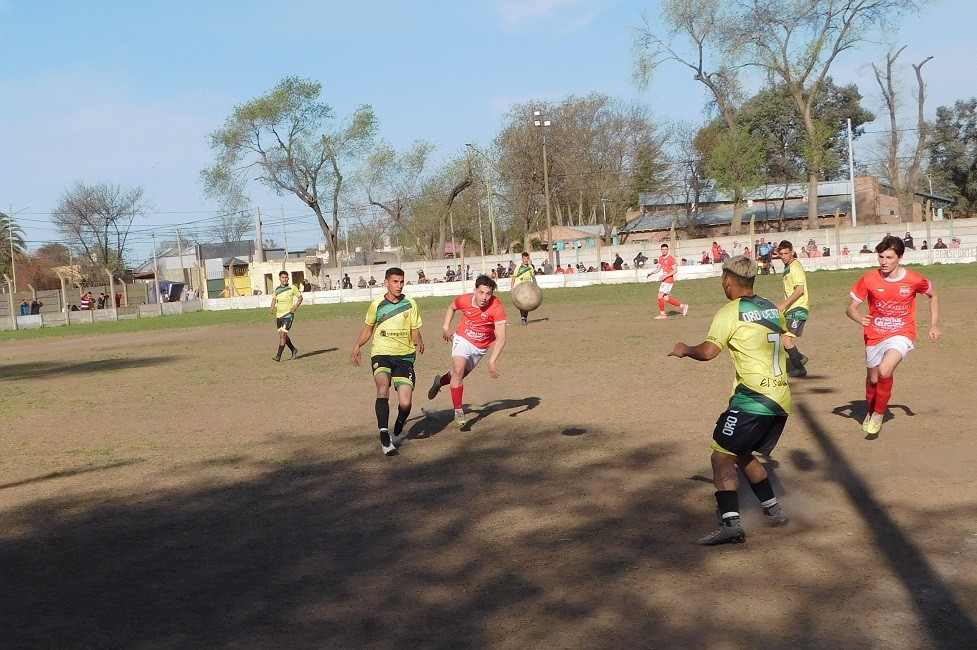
462 347
666 288
874 353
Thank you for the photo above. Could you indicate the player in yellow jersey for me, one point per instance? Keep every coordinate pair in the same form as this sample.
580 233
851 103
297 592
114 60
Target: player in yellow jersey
284 301
796 307
751 327
394 322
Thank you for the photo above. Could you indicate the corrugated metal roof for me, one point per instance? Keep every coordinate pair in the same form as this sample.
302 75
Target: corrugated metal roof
722 215
763 193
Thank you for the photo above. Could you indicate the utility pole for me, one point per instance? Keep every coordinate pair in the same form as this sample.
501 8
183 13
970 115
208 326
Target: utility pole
285 238
542 124
851 177
179 249
260 248
156 271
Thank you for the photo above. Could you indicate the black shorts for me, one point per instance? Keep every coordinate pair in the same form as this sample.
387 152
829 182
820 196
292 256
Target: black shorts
285 322
740 434
398 368
795 326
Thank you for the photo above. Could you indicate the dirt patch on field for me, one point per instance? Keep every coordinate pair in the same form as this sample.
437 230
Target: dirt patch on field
182 489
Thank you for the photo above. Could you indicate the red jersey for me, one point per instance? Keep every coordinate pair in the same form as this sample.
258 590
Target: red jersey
667 264
478 325
891 303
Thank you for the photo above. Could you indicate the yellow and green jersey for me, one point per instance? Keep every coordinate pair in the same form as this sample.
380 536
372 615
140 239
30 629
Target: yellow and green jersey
284 297
751 327
523 274
392 323
794 277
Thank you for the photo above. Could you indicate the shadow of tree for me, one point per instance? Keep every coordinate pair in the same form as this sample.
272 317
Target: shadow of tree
43 369
68 472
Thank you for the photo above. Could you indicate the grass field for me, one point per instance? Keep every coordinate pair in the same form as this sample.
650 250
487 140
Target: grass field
164 483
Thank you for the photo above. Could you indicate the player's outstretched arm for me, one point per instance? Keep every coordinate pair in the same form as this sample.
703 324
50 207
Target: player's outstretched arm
705 351
446 327
935 331
497 349
364 336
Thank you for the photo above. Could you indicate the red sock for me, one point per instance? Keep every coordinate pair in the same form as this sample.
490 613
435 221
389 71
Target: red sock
883 391
673 302
661 304
446 379
870 391
456 393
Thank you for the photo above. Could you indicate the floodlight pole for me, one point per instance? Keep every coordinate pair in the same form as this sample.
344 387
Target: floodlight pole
542 124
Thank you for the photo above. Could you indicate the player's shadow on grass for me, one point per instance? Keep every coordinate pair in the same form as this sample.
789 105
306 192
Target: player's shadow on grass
44 369
66 473
524 404
434 422
536 320
315 352
858 409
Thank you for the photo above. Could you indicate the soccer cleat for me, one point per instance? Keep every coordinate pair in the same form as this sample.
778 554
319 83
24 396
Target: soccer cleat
868 418
295 354
873 424
803 360
525 321
685 309
435 388
276 358
661 316
733 534
776 518
386 444
460 419
798 371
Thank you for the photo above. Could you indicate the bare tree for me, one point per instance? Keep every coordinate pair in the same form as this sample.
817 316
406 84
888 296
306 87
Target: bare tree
282 135
797 41
903 177
233 226
95 220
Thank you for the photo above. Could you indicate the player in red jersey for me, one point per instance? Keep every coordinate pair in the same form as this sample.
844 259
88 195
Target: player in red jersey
890 326
669 267
483 323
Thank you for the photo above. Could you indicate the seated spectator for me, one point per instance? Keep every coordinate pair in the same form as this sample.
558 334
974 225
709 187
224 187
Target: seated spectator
684 261
866 250
581 268
845 252
908 240
361 283
825 252
569 269
591 269
639 260
705 258
618 262
449 274
372 281
955 242
939 243
495 274
746 253
717 252
421 278
816 252
925 246
559 269
626 267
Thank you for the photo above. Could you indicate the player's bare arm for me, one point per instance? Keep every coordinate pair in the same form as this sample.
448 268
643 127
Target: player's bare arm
271 310
935 331
792 298
446 328
364 336
297 303
705 351
415 336
497 349
853 313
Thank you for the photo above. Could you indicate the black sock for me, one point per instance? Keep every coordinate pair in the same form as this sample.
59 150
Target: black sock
795 356
729 507
524 313
383 412
764 492
288 342
403 412
280 349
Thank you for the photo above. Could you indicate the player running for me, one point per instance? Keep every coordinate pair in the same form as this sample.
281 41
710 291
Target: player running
284 302
668 267
483 322
395 325
890 326
525 272
751 327
796 307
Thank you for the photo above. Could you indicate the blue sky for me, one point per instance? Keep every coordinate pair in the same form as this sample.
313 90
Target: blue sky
126 92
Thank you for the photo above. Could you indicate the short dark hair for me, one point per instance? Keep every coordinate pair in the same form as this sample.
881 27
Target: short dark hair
785 245
664 246
281 273
393 270
893 243
485 281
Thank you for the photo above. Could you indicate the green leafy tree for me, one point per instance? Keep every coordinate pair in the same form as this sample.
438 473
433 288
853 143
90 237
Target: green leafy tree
293 143
736 161
10 232
953 153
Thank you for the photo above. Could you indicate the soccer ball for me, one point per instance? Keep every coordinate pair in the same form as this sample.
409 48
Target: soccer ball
527 296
